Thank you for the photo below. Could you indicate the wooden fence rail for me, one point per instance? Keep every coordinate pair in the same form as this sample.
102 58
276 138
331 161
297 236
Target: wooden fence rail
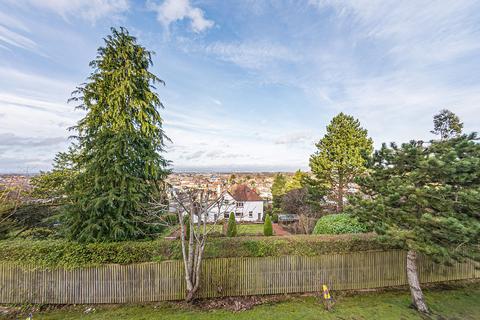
161 281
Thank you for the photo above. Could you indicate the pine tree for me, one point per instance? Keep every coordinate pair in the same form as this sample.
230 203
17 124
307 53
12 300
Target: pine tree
341 156
425 199
118 145
278 190
267 226
447 124
232 226
296 182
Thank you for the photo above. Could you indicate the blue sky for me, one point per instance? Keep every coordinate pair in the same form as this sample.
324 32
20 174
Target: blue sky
250 85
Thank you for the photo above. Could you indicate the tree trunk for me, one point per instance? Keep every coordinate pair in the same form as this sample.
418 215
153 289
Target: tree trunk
414 283
191 295
340 193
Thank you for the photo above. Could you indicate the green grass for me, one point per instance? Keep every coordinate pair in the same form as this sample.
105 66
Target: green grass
459 303
243 229
250 229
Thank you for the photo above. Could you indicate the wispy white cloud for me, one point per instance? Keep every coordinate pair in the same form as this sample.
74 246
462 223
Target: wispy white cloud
12 22
427 31
13 38
11 30
295 138
170 11
251 55
91 10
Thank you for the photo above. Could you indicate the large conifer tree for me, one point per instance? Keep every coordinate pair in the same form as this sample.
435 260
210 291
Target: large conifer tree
341 156
425 199
118 144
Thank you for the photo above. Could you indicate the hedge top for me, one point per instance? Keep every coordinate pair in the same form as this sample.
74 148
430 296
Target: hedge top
65 254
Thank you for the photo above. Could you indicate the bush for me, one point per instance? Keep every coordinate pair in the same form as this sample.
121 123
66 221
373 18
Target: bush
267 227
338 224
232 226
275 218
171 219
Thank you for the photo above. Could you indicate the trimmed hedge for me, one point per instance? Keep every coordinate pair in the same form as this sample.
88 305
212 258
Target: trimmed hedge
64 254
339 223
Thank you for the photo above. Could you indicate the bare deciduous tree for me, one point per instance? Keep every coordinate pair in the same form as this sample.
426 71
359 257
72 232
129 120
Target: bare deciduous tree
193 209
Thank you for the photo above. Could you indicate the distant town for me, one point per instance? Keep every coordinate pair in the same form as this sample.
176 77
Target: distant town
261 182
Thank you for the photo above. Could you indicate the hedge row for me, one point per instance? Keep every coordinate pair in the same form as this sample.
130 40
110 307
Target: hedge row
64 254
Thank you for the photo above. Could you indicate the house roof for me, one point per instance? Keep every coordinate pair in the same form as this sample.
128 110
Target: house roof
241 192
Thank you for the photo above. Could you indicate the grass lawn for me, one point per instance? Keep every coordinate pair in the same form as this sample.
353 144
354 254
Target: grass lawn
243 229
459 303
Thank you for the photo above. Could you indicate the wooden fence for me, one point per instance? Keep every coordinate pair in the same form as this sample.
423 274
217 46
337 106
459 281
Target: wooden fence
148 282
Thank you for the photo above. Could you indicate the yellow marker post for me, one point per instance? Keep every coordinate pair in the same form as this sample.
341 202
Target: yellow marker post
327 299
326 294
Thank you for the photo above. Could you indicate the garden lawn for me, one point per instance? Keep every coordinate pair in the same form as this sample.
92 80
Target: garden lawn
460 303
242 229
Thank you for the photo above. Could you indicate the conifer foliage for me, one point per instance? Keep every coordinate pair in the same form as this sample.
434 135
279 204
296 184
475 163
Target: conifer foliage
232 226
425 198
118 144
267 226
340 157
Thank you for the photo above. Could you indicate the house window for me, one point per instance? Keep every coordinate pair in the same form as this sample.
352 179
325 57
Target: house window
226 215
239 204
250 214
238 214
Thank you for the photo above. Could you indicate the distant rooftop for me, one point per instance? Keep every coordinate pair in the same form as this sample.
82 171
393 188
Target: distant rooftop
241 192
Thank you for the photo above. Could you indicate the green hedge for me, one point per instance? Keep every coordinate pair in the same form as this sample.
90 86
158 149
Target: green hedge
338 224
64 254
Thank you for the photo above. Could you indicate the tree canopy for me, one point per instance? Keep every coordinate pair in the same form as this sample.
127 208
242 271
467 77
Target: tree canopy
296 181
446 124
424 198
341 156
278 189
118 144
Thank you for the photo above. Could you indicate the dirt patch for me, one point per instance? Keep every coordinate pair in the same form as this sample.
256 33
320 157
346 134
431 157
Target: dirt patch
238 304
279 231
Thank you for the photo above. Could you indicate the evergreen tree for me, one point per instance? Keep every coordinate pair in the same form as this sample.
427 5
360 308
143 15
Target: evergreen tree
425 199
267 226
447 124
341 156
278 190
118 145
232 226
296 182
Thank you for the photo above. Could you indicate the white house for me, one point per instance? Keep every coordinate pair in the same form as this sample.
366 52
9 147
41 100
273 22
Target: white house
244 202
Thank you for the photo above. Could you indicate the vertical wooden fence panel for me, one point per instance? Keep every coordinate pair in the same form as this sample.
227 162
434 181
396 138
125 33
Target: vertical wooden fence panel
148 282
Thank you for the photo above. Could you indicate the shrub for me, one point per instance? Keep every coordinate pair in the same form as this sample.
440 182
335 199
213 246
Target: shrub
232 226
275 218
267 227
338 224
171 219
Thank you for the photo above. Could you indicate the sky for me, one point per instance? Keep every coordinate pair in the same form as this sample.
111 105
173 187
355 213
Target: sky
250 85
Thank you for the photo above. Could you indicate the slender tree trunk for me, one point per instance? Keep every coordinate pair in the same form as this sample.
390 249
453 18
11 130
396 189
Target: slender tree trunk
414 283
340 192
